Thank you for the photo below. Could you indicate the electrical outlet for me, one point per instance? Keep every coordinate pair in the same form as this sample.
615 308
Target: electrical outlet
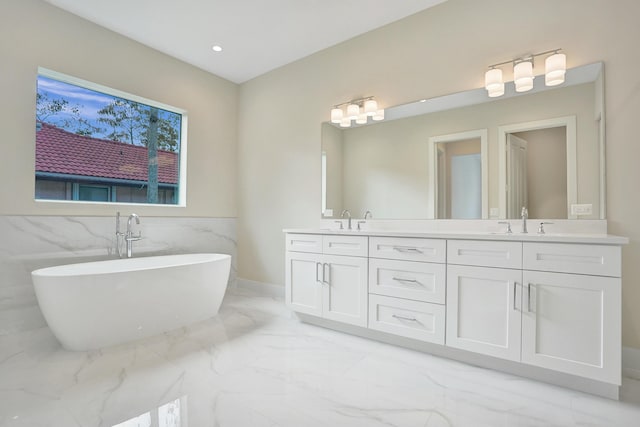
584 209
328 213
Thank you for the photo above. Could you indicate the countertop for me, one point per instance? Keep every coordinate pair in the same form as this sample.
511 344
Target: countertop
601 239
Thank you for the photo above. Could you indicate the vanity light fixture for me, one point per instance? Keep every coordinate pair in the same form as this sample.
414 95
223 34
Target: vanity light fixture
555 69
358 110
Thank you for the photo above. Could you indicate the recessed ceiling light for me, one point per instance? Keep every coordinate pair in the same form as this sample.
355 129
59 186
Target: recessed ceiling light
217 48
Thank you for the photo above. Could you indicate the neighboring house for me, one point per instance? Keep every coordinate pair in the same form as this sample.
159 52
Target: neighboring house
75 167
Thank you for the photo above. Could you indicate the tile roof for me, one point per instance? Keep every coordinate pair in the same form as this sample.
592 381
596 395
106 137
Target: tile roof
62 152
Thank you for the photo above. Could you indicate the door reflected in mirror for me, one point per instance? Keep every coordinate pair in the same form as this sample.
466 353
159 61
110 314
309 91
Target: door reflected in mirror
459 175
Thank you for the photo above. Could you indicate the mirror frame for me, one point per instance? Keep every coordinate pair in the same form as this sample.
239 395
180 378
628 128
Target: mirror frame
484 160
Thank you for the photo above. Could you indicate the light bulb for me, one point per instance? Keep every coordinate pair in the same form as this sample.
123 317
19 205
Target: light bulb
370 107
336 115
362 119
379 115
353 111
345 122
523 76
493 82
555 69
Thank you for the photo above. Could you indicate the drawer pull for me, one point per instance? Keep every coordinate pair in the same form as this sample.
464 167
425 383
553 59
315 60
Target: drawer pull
404 250
410 319
528 297
400 279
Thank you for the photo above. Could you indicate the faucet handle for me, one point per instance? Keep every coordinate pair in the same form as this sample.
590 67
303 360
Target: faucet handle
508 226
339 222
360 222
541 227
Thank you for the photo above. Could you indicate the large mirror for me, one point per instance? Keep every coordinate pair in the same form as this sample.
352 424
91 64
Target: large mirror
466 155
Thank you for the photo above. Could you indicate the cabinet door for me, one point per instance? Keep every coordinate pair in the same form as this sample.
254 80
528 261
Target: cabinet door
345 289
483 310
571 323
303 285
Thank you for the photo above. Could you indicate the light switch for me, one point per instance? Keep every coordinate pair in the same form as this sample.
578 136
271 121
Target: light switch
328 213
583 209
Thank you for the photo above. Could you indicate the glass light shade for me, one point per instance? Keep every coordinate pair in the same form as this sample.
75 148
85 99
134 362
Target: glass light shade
370 107
555 67
362 119
345 122
336 115
353 111
493 82
523 76
379 115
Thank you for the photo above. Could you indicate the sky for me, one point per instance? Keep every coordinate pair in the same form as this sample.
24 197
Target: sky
88 101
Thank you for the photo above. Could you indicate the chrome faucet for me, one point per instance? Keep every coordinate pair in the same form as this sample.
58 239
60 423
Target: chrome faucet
524 214
129 237
368 213
346 211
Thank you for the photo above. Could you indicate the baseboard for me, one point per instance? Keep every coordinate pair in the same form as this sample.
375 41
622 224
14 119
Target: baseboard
266 289
631 362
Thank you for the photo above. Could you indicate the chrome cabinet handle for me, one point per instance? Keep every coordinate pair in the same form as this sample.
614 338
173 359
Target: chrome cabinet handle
400 279
514 294
410 319
317 275
529 297
328 280
401 249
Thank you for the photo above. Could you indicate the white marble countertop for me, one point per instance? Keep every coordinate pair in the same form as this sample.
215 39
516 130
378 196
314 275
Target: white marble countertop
602 239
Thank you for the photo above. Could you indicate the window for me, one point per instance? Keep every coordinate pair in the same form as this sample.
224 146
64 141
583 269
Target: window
95 144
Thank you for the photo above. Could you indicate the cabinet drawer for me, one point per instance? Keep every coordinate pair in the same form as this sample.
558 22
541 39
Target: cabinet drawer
412 319
345 245
408 249
599 260
304 243
485 254
420 281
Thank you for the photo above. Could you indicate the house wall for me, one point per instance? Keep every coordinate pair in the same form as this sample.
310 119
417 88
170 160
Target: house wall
442 50
35 34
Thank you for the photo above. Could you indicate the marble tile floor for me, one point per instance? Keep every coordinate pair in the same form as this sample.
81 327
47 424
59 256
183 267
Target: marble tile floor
255 365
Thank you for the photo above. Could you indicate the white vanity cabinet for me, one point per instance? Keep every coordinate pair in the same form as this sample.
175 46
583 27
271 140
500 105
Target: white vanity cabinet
326 276
571 320
551 303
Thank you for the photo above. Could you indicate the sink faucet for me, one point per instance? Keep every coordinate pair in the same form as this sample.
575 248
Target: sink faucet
129 237
524 215
367 214
346 211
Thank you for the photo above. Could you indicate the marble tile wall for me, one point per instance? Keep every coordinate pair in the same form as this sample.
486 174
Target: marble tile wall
31 242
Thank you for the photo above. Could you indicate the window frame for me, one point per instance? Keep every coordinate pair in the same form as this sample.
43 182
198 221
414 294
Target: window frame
182 167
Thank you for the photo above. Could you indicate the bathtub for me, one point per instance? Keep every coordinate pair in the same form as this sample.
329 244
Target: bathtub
97 304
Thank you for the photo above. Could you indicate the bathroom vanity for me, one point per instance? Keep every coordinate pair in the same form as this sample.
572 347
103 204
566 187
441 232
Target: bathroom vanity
542 306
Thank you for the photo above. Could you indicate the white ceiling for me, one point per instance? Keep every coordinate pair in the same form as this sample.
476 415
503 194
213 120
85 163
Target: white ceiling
257 35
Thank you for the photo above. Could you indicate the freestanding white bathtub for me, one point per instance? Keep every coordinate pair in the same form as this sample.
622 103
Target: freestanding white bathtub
97 304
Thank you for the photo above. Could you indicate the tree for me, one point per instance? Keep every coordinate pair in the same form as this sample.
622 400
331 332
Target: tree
63 114
152 155
125 120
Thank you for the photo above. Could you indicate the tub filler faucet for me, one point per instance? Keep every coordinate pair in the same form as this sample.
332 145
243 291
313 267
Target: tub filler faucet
129 237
